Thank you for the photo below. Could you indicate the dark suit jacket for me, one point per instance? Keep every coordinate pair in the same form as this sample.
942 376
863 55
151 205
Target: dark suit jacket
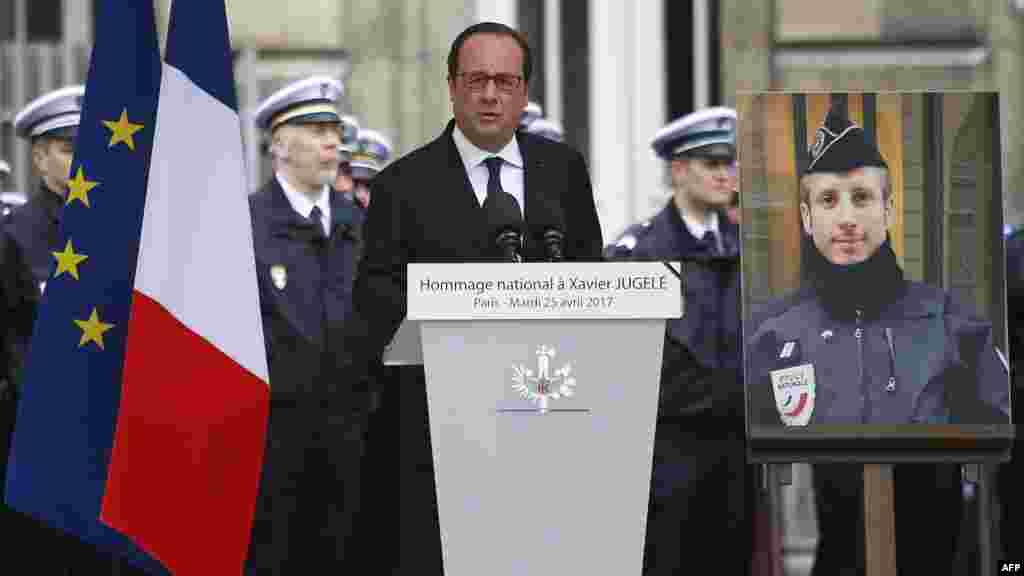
424 210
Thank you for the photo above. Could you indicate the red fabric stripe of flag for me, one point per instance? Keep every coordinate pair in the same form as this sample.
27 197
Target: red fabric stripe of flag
182 468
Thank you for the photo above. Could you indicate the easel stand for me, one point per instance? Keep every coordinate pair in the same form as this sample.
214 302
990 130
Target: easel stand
880 518
879 521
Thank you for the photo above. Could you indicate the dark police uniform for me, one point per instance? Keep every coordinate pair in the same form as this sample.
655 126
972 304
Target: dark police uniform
921 359
702 488
309 491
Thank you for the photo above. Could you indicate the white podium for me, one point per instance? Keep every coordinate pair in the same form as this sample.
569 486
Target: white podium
542 390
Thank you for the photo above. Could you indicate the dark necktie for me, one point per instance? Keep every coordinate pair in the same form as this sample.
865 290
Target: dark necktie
711 240
316 216
494 188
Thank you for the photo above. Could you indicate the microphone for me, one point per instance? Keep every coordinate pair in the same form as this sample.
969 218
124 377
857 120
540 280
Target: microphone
508 227
510 242
554 242
548 231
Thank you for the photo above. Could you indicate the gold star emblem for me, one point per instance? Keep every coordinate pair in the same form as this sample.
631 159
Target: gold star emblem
78 188
68 261
92 329
122 130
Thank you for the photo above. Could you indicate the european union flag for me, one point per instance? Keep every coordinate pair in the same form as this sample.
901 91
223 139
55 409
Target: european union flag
66 418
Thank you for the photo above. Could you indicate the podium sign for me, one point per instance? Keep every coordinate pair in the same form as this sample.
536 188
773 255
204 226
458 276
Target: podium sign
542 414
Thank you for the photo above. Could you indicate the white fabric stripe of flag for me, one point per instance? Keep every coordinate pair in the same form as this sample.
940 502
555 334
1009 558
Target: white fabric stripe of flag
196 253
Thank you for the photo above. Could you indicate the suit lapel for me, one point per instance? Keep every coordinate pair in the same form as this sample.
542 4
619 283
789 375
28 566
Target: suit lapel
461 205
534 176
463 198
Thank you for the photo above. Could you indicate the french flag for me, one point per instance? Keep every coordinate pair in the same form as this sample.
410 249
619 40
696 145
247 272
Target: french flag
142 422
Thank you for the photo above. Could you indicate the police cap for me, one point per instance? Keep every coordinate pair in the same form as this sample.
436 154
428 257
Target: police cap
56 114
708 133
371 155
307 101
349 138
532 112
841 146
546 128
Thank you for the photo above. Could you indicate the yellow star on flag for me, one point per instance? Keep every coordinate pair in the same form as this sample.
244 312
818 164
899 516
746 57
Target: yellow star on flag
122 130
92 329
78 188
68 261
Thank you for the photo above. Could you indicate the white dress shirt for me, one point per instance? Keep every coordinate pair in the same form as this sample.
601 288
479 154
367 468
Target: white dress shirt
512 169
698 229
303 205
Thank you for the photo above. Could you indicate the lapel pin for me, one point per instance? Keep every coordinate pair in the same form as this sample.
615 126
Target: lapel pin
826 335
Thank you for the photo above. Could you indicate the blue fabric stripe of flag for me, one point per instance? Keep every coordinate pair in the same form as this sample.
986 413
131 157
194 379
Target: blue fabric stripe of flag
66 417
208 68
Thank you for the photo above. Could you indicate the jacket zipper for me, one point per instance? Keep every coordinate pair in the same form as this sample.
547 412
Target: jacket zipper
858 333
891 386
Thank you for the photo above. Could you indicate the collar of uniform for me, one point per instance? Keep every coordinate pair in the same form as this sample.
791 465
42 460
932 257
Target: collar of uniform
52 202
473 156
698 229
302 203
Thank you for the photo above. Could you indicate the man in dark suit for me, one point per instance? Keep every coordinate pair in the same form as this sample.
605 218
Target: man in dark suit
306 241
433 206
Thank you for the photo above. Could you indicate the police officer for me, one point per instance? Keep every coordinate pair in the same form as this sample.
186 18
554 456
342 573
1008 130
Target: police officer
349 141
701 485
373 152
861 344
306 240
547 128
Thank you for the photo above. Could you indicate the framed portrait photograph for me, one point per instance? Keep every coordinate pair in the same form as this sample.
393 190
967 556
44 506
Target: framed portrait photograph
874 277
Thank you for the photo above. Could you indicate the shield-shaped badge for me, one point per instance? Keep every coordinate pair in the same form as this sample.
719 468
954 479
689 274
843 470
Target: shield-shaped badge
794 394
279 276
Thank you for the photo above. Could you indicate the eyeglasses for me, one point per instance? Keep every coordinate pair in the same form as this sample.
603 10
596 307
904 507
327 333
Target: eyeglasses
477 81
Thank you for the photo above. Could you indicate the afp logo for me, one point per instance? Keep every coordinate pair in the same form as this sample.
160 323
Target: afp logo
1011 567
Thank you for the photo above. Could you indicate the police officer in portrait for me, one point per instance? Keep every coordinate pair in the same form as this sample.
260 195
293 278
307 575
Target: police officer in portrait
702 488
861 344
306 239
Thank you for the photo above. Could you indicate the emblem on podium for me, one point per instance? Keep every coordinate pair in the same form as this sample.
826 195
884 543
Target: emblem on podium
543 385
